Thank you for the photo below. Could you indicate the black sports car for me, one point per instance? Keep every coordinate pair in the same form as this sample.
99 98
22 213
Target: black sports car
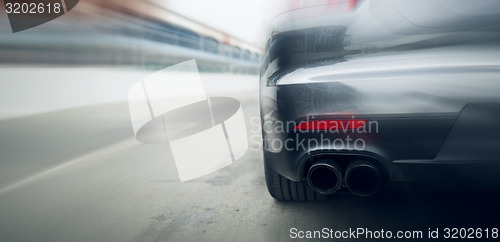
357 94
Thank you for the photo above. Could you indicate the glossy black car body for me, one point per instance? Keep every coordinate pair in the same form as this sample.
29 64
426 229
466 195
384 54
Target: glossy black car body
416 83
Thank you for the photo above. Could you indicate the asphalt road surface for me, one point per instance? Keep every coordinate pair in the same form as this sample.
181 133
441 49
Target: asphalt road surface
78 174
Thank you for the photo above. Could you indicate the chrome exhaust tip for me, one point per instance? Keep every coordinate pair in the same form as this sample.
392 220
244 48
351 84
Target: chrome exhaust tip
325 177
363 178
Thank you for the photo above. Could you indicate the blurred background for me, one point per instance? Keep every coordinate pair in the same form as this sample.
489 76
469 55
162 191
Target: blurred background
72 170
124 38
221 35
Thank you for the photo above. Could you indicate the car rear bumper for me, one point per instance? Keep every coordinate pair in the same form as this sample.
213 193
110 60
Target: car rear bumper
406 146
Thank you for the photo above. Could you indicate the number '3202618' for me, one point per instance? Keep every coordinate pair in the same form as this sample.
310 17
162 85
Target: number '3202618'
32 8
471 233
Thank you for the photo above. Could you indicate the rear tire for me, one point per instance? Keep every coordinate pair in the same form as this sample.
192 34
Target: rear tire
284 189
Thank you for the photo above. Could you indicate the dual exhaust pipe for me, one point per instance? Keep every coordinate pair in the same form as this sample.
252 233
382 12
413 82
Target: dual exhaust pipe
362 178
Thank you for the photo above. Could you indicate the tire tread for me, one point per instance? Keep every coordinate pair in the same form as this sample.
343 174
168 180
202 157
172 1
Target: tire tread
284 189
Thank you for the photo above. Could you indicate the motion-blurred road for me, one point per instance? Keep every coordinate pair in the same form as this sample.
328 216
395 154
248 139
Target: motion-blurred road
71 170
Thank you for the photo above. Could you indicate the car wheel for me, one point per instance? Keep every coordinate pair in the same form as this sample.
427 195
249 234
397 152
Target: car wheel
284 189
